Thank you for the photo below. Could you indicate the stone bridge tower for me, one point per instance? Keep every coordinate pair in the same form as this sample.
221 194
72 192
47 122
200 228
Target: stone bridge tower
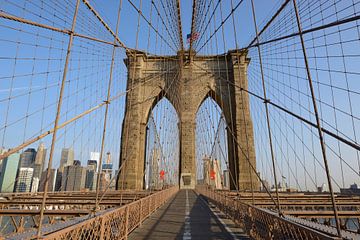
186 80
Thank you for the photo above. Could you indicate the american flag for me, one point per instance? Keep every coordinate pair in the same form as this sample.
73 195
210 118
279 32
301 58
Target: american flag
192 38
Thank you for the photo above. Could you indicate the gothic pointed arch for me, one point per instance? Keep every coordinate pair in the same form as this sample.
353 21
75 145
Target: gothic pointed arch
186 85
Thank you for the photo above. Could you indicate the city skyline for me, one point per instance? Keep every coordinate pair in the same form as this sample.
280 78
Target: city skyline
24 171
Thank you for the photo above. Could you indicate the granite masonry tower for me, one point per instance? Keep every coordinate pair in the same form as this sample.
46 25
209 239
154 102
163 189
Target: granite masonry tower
186 80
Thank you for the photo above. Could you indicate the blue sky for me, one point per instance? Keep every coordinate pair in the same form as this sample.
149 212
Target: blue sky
129 19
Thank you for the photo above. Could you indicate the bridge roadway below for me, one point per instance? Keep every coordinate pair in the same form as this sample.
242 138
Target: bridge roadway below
187 216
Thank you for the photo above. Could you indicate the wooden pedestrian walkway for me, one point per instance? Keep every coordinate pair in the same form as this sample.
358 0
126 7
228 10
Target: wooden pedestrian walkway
187 216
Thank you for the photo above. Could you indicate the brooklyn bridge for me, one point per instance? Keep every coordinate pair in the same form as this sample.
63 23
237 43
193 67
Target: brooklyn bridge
169 119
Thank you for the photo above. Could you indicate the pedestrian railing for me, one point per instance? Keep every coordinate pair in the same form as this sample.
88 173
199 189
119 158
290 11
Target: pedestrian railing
261 223
117 223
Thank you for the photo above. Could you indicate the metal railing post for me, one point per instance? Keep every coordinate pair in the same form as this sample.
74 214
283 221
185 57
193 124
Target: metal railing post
57 117
126 222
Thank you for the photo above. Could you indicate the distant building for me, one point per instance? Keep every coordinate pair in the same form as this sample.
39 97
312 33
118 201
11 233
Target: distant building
104 182
112 184
352 190
24 179
73 178
51 180
8 172
77 163
27 158
39 161
67 158
108 158
2 151
35 184
92 164
95 156
90 179
58 179
38 168
107 169
322 188
265 186
31 158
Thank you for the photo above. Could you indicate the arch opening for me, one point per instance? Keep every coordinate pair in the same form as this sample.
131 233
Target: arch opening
162 153
211 139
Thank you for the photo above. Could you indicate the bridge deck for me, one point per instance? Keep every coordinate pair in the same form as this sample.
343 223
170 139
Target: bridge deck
187 216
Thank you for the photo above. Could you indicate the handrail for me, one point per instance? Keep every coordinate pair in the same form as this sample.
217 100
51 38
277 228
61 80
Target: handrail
261 223
117 223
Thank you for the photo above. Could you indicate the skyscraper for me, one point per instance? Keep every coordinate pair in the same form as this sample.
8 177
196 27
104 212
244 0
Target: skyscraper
8 172
108 158
90 179
58 179
23 183
77 163
37 175
27 158
51 180
35 160
95 156
73 178
92 164
2 151
107 170
35 184
67 158
103 182
39 161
